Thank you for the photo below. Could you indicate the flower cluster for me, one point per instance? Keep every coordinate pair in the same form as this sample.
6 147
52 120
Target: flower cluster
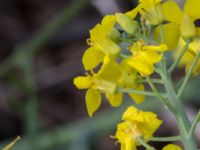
137 124
123 54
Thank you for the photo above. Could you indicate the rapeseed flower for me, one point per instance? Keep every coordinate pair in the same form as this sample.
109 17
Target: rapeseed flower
181 23
129 80
137 124
104 81
171 147
151 10
103 41
144 57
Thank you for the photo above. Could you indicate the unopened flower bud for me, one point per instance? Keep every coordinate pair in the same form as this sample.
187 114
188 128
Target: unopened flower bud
126 23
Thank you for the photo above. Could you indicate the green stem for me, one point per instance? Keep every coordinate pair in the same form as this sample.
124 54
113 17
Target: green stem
128 40
188 75
194 124
136 92
180 114
173 66
147 146
157 93
123 56
165 139
156 81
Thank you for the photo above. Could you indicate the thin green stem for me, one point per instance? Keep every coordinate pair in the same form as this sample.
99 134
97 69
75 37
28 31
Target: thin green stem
157 93
194 124
128 40
188 75
166 139
156 81
124 56
173 66
136 92
161 33
147 146
180 113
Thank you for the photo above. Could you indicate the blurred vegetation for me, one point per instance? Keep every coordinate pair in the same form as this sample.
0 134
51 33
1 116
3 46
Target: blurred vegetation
28 91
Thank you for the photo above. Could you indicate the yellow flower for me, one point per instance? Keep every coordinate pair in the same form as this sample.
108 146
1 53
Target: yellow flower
137 124
105 81
189 55
185 19
102 41
145 56
129 80
171 147
151 10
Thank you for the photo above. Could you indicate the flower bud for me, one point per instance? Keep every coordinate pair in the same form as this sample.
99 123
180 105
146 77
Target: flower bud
114 35
126 23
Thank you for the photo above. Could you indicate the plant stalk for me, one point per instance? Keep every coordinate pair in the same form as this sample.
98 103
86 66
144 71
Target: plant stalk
180 114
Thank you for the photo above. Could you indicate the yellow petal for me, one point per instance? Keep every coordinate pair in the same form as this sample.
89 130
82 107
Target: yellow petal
171 35
158 48
108 22
172 12
148 3
153 14
191 8
151 56
187 27
147 122
93 101
142 66
133 13
171 147
110 70
92 57
136 97
82 82
115 99
109 47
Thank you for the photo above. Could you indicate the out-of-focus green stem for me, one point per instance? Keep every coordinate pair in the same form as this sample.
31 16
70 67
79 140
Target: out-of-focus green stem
159 96
180 113
195 122
23 57
174 65
147 146
136 92
188 75
156 81
165 139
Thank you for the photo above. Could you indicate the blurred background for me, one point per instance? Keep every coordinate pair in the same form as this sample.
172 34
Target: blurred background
41 45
